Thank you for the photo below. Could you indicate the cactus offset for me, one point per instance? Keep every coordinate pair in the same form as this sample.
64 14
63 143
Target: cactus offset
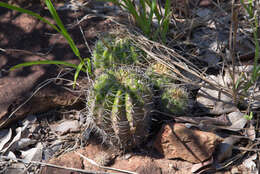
159 75
174 100
120 102
113 51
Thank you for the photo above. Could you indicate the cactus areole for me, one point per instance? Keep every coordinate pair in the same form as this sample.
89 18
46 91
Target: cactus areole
120 102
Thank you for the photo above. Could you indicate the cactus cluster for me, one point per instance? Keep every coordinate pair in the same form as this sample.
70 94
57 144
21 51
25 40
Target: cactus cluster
122 95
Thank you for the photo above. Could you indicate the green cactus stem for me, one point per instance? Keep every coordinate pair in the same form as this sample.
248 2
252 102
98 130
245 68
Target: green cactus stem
120 102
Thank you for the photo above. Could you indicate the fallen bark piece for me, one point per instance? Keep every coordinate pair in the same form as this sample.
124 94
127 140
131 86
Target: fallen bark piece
177 141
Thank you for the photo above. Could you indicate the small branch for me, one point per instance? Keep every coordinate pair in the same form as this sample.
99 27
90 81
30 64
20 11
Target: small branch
103 167
51 165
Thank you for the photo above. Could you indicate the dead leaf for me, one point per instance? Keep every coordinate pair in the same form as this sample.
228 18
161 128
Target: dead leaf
250 132
33 154
5 136
238 121
250 164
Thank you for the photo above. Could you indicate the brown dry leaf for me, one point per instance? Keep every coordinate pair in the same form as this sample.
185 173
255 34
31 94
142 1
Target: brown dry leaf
238 121
250 132
5 136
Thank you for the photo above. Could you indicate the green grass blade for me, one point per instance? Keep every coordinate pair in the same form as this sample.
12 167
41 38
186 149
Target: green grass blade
238 81
165 27
45 62
77 73
142 10
248 8
5 5
140 22
167 7
62 28
89 66
166 20
156 11
152 9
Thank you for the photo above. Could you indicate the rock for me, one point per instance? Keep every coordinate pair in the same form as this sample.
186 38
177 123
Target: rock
135 164
66 126
177 141
50 97
70 159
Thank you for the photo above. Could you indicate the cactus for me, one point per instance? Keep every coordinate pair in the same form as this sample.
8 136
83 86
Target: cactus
174 100
112 51
120 102
159 75
120 99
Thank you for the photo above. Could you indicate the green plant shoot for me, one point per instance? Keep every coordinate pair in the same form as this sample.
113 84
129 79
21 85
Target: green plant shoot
145 12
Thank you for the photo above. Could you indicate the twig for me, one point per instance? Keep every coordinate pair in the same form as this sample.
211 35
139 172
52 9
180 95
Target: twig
51 165
246 149
84 38
103 167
